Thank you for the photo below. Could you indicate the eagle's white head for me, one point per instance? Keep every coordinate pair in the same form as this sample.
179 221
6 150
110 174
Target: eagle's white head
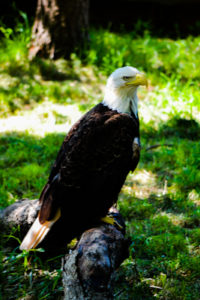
121 90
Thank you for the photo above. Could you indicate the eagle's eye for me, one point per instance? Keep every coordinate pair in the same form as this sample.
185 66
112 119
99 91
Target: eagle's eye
126 77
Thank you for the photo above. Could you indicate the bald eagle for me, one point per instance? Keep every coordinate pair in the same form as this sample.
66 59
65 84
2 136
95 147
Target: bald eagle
92 163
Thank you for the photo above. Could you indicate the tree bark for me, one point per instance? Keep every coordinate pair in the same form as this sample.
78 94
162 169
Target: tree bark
88 270
22 213
60 27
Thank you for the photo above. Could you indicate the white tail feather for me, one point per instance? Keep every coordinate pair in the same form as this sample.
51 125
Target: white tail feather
37 232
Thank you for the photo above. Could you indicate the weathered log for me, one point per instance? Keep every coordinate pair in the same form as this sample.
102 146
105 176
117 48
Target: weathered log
23 213
88 270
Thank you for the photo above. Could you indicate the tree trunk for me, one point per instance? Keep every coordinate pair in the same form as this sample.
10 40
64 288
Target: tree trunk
59 28
88 270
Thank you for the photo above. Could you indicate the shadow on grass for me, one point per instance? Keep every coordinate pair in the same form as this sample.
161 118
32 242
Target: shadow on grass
25 162
176 159
175 127
181 128
50 71
59 70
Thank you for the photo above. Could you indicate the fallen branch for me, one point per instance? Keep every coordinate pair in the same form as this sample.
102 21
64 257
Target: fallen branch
88 270
23 213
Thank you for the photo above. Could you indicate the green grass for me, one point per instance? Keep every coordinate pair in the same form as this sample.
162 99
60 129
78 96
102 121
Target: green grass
24 164
160 201
110 50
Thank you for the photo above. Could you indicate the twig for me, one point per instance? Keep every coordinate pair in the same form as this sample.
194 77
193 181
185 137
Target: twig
158 145
156 287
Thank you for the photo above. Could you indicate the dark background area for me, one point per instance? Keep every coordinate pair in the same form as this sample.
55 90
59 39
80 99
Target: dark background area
162 18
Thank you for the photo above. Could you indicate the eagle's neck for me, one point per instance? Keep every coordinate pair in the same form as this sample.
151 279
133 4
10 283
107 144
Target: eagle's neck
122 101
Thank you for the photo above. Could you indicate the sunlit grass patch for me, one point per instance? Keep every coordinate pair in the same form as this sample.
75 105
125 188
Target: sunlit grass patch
194 196
43 119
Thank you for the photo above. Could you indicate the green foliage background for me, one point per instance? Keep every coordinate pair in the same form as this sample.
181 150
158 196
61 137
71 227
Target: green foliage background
160 201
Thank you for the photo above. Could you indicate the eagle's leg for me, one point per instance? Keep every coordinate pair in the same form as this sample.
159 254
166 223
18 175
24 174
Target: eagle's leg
110 218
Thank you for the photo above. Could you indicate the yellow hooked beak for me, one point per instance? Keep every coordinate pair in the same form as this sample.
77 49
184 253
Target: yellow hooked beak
140 79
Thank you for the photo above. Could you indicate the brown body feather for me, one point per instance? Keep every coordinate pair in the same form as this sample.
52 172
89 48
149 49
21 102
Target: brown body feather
90 169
